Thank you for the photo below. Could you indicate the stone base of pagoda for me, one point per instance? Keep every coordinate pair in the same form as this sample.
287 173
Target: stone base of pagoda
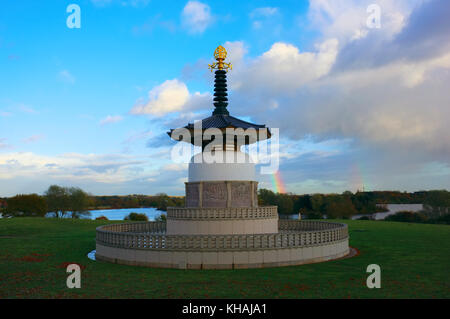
147 244
236 259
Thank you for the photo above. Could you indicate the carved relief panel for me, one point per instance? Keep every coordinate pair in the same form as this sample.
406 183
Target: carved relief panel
241 195
192 195
214 194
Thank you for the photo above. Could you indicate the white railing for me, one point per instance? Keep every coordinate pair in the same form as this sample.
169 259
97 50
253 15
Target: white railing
222 213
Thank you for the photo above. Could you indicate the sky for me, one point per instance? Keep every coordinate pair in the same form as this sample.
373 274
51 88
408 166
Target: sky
360 102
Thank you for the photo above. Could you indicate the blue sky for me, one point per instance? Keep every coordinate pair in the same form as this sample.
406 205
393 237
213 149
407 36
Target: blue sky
355 105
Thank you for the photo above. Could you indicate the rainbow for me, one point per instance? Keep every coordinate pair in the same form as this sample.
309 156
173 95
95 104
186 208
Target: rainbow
357 181
277 182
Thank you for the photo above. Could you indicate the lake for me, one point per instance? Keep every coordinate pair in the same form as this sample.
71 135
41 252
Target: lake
393 209
119 214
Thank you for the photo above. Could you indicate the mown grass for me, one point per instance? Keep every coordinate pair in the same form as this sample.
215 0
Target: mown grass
414 261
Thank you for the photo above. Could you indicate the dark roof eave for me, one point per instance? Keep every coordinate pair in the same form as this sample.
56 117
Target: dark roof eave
225 121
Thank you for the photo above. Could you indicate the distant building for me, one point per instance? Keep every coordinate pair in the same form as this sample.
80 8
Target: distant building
395 208
436 211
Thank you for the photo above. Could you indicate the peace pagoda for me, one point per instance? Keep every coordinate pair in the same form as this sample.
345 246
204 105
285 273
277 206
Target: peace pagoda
221 226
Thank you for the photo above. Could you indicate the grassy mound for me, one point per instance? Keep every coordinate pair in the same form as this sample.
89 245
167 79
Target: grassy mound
34 253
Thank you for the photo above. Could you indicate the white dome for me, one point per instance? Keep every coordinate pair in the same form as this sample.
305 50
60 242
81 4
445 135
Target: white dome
221 166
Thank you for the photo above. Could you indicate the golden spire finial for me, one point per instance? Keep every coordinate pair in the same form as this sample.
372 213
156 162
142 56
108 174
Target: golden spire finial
220 54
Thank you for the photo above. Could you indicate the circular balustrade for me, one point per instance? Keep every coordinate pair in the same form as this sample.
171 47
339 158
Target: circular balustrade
147 244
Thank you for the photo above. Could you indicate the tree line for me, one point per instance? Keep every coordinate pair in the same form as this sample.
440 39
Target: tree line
348 204
59 201
159 201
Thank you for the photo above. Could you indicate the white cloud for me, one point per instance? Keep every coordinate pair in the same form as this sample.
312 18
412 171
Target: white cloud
263 12
66 76
152 25
404 73
138 136
176 167
5 114
111 119
135 3
26 108
346 19
235 52
101 174
285 68
399 107
4 144
264 18
169 97
33 138
257 25
101 3
196 16
125 3
73 166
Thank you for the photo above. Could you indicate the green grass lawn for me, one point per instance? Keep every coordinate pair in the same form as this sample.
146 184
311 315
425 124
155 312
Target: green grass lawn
414 261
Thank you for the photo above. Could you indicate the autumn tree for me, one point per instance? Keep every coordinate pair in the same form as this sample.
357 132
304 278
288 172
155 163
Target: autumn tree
136 217
31 205
340 207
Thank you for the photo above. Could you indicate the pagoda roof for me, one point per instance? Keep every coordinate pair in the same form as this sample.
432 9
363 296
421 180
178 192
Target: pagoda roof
224 121
221 121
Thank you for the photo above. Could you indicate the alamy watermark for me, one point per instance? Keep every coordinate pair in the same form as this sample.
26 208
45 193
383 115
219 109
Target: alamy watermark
74 279
374 279
374 19
74 19
223 146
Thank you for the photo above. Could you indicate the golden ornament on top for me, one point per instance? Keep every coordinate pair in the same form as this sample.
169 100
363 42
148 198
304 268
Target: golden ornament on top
220 54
